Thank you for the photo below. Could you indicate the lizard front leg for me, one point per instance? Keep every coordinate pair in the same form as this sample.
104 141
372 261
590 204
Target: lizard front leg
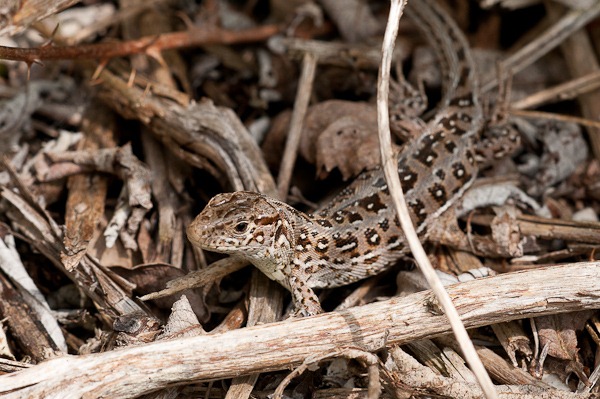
304 298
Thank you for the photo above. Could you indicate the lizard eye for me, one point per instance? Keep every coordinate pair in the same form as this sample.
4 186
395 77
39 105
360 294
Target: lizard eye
241 227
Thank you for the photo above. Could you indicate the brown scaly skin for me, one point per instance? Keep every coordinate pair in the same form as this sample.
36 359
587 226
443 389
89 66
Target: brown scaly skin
357 234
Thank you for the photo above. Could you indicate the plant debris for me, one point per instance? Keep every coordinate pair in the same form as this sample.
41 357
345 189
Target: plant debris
118 123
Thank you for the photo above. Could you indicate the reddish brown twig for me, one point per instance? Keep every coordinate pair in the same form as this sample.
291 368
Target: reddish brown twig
149 45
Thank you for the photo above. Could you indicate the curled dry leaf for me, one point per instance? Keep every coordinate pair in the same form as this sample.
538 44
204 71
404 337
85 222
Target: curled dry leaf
563 149
333 132
348 144
559 332
513 339
343 134
496 194
322 115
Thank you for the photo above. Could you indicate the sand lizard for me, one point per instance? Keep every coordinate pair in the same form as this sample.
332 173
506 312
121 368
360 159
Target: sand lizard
357 234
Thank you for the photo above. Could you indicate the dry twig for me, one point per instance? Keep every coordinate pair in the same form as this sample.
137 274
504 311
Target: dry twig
141 369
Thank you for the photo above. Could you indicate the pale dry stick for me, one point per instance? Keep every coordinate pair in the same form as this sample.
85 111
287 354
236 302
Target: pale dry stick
393 179
329 53
10 366
561 92
544 43
309 65
553 116
536 340
133 371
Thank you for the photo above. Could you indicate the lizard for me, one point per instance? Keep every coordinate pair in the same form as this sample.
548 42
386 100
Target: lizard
358 234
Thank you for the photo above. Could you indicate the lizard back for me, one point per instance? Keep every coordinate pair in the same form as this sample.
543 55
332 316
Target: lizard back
359 227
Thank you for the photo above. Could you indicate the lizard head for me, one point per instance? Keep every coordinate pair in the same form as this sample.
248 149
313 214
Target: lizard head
247 225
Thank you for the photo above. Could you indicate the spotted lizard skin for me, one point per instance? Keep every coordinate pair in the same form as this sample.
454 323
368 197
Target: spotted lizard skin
358 234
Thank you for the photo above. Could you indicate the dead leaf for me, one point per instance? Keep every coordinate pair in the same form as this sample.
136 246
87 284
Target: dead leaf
559 333
349 144
347 129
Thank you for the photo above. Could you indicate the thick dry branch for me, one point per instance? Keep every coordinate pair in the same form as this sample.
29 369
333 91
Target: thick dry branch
203 135
149 45
138 370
